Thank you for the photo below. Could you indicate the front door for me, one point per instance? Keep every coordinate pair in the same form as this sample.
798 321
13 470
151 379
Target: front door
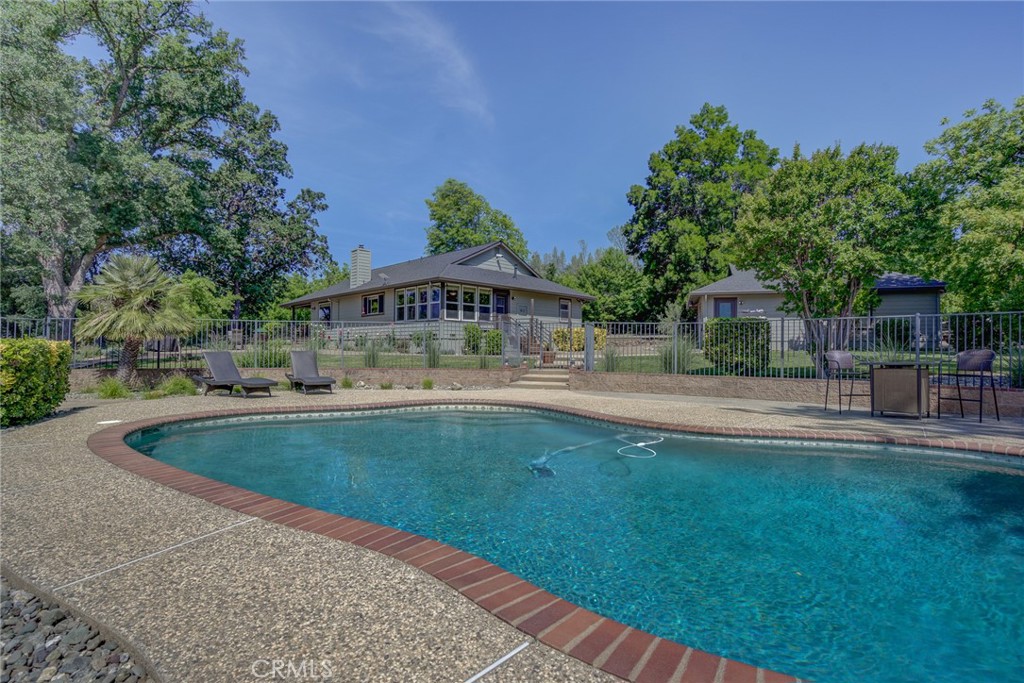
500 303
725 307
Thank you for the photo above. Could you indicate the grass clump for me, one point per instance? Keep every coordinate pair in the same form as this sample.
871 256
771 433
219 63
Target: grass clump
387 385
177 385
346 382
427 383
152 394
111 387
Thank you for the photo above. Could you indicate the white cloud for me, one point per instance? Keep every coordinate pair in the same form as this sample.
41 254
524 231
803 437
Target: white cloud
451 74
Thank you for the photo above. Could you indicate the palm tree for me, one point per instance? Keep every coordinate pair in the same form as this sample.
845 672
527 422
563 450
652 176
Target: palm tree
130 301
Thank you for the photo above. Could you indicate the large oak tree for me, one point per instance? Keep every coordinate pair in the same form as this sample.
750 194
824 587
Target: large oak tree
690 201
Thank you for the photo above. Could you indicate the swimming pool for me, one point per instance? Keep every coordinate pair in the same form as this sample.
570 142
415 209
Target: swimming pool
830 562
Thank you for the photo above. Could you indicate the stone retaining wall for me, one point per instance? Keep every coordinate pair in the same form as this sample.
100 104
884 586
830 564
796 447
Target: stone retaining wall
810 391
442 377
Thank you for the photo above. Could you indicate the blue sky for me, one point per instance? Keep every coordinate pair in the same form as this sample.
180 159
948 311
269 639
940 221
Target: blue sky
551 110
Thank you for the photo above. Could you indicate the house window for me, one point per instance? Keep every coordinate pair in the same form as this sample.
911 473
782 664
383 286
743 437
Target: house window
373 304
501 304
469 303
564 309
324 312
435 302
400 304
421 307
451 303
484 300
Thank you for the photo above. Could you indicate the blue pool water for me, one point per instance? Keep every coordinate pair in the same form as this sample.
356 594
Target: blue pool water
827 562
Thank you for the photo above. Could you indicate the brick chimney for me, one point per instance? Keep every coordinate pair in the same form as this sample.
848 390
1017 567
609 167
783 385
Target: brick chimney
359 274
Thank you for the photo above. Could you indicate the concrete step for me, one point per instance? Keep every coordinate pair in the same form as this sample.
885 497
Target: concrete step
543 378
527 384
560 378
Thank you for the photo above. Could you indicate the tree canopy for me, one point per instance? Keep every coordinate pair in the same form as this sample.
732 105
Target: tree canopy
250 237
821 228
689 204
131 151
461 218
621 289
970 209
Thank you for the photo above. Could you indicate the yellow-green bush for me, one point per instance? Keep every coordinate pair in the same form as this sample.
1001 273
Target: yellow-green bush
33 378
561 338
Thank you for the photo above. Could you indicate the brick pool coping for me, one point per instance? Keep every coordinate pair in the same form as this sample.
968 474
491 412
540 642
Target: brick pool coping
598 641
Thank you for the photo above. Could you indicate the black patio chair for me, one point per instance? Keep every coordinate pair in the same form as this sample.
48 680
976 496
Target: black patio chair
306 374
225 376
840 365
971 364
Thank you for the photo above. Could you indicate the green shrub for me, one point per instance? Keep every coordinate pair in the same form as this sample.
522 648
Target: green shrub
178 385
433 353
152 394
579 335
33 378
275 355
387 385
371 354
493 342
346 382
418 338
738 346
427 383
111 387
472 334
685 355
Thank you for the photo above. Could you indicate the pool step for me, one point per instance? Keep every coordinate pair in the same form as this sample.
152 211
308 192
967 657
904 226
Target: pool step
543 378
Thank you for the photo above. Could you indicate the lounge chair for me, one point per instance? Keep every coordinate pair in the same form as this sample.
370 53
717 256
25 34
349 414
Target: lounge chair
305 373
225 376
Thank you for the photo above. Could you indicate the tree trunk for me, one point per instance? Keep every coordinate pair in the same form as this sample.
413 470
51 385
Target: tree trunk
60 289
129 360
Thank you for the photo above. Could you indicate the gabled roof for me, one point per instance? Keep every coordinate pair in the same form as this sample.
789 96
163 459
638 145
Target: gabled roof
746 282
739 282
447 267
891 282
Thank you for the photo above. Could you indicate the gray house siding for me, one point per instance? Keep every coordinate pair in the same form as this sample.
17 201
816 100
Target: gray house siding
490 260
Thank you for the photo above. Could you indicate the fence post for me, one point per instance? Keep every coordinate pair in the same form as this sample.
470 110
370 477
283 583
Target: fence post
675 348
917 337
588 347
341 344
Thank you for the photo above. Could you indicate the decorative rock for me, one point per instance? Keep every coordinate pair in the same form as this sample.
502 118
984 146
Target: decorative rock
455 386
42 643
77 635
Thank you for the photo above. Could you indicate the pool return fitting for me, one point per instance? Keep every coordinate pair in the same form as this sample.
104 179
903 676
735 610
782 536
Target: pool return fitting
634 446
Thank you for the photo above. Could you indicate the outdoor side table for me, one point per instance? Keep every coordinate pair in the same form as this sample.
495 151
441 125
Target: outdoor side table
900 387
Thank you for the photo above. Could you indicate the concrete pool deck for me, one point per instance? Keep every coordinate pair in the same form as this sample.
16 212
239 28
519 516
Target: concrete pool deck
207 593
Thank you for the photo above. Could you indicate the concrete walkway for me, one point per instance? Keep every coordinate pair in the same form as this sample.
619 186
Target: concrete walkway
208 594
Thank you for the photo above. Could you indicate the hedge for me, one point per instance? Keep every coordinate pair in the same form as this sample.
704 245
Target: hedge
34 377
738 346
560 336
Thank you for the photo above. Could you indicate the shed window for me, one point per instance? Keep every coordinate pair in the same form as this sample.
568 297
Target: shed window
564 309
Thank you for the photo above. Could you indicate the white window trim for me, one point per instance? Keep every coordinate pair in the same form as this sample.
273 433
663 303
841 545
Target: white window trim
363 307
